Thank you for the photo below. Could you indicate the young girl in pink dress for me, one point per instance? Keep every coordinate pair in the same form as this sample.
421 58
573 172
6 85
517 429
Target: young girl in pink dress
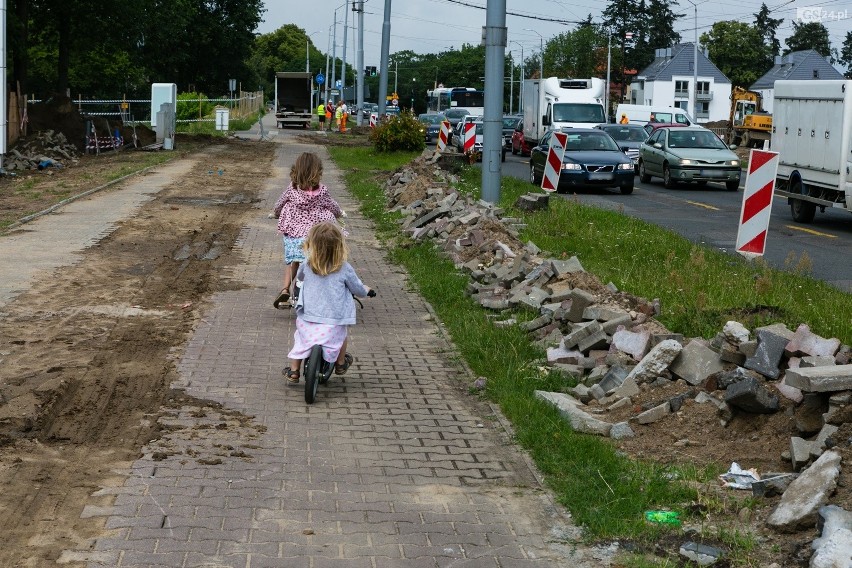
325 308
303 204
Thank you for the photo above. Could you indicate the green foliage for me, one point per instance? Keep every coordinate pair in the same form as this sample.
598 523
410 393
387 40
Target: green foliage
577 53
809 35
767 26
188 106
401 132
738 50
846 55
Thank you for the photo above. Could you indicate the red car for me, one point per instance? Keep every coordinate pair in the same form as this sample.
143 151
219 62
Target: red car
519 145
651 127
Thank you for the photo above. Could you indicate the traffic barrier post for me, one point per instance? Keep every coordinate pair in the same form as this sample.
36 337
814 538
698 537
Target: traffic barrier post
757 203
553 165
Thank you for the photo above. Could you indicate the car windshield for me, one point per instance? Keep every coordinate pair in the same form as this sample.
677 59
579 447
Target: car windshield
431 118
590 141
627 134
455 113
694 139
578 112
510 122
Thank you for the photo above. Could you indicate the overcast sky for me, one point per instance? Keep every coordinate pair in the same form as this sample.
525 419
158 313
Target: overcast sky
431 26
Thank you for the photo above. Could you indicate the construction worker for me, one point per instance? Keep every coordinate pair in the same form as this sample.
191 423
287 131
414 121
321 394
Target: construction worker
344 116
321 116
338 115
328 114
624 119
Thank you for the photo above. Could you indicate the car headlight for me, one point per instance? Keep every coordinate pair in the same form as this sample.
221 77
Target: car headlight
686 162
571 166
734 162
625 166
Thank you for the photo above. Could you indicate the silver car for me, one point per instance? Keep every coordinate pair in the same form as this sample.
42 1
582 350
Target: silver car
688 154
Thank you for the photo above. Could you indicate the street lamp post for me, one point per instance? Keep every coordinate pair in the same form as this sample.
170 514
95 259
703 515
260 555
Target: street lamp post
541 50
608 61
308 62
521 80
695 63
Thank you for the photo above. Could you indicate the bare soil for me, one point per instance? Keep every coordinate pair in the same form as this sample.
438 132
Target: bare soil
83 382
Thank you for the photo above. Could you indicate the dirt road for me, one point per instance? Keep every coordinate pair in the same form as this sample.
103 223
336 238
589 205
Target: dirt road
86 369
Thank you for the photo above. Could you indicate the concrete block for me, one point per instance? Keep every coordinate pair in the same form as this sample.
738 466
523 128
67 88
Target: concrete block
621 430
562 355
598 340
654 414
580 300
817 361
801 501
834 547
569 408
614 378
603 313
634 343
570 266
735 332
821 379
695 363
770 350
804 342
581 332
612 325
656 361
750 395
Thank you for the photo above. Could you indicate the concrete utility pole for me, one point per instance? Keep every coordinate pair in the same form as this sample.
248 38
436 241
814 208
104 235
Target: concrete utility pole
334 55
327 76
358 6
495 57
521 80
383 77
695 65
343 62
4 113
541 51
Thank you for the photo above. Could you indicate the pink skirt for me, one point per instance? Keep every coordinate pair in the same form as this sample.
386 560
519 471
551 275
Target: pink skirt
308 334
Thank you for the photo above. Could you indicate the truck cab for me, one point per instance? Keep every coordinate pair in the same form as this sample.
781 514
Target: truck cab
554 103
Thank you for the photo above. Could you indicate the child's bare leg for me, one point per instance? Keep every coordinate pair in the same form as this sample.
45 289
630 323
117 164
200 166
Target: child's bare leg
344 359
289 274
341 357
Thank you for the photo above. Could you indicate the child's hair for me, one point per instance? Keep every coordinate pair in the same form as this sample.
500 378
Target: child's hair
307 171
325 248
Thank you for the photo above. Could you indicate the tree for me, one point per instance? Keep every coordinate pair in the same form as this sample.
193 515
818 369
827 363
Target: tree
577 53
767 26
809 35
737 49
846 55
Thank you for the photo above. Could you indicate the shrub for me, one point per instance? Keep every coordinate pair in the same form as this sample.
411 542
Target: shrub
188 103
401 132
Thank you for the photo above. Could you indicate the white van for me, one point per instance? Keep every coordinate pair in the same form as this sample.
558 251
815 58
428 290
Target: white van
643 114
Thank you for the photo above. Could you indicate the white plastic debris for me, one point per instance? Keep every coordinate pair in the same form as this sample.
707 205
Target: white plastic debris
739 478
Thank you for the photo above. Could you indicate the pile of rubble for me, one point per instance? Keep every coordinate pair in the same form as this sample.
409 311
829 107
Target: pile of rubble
47 149
611 344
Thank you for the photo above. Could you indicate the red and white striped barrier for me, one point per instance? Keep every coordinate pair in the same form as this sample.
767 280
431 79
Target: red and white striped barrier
469 137
757 203
373 118
443 135
553 165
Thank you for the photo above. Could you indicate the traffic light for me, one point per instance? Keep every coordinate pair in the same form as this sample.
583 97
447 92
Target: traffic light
370 71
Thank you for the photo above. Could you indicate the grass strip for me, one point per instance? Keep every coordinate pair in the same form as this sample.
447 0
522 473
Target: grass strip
605 491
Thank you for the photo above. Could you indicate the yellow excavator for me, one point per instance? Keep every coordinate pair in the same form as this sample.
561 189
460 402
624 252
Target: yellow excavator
750 125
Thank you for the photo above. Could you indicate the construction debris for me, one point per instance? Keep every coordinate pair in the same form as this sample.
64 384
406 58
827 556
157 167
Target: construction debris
610 344
44 150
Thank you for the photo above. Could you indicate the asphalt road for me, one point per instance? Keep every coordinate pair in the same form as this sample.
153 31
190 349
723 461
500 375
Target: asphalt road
709 215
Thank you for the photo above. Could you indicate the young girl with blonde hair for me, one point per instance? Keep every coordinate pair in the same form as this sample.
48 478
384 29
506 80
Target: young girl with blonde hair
325 308
303 204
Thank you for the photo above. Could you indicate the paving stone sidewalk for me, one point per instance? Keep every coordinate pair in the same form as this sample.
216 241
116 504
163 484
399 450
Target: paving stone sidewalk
395 467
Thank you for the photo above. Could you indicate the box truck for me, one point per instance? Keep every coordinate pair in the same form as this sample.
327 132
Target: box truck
553 103
812 133
293 99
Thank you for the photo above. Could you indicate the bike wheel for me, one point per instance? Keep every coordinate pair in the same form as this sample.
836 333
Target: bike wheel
313 373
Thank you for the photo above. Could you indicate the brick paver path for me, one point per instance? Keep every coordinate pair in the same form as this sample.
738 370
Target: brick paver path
393 468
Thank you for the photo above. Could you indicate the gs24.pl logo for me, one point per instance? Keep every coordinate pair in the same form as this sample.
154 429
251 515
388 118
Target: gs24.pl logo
809 14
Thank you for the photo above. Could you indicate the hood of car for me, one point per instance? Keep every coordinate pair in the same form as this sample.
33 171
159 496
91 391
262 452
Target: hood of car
631 145
704 155
596 157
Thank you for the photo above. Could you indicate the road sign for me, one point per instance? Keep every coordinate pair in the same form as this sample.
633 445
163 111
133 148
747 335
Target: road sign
553 166
232 85
757 203
338 83
320 78
334 92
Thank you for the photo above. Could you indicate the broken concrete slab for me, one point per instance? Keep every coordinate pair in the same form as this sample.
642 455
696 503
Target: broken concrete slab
770 350
656 361
833 548
634 343
735 332
569 408
654 414
750 395
696 362
821 379
580 300
621 430
570 266
800 503
804 342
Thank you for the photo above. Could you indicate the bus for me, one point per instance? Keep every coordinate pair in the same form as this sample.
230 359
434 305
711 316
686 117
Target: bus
467 98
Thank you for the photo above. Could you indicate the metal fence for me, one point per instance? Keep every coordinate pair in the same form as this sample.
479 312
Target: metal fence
138 111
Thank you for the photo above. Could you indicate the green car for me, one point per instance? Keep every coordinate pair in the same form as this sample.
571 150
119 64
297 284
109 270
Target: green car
688 154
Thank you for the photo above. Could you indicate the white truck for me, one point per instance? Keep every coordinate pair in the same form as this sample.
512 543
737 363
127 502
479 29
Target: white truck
552 103
812 133
293 99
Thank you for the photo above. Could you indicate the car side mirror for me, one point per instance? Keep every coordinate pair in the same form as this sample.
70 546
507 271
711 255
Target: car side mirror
544 120
658 146
732 146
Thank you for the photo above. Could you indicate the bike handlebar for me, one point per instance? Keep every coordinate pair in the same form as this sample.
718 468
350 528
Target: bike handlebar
371 294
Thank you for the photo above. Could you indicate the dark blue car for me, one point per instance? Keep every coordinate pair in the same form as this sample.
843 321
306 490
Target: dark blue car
592 159
431 125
